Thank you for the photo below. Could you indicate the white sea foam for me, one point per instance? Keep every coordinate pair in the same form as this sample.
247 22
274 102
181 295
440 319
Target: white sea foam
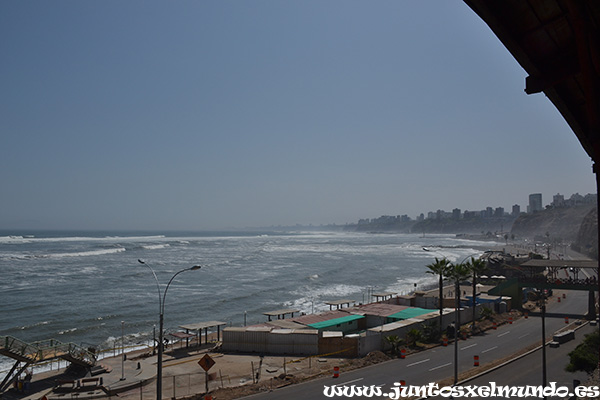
315 300
14 240
26 256
33 239
156 246
34 325
404 286
85 253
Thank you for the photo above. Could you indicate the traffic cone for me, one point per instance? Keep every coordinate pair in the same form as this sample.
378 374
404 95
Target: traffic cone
336 372
566 320
526 314
494 325
476 361
445 341
403 353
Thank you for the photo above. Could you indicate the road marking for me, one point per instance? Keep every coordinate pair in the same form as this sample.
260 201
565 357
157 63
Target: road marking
522 336
418 362
490 349
440 366
356 380
468 347
505 333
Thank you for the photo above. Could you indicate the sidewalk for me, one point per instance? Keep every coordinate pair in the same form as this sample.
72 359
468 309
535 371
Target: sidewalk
182 375
134 371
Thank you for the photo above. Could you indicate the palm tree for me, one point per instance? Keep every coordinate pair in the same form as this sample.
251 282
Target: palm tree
440 268
395 342
457 273
477 268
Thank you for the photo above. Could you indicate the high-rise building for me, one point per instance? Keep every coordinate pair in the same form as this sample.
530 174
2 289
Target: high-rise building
456 213
516 210
558 200
535 203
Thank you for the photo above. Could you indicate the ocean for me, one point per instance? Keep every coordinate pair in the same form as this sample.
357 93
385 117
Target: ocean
88 288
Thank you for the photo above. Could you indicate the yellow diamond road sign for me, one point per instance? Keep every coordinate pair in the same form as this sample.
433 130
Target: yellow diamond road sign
206 362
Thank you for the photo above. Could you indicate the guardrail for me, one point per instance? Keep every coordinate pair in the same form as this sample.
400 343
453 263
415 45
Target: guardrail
81 354
19 348
46 350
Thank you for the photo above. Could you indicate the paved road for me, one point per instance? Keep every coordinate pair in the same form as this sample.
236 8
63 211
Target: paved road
437 364
530 367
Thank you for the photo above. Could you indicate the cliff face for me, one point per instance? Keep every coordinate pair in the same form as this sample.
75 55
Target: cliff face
587 238
556 223
470 226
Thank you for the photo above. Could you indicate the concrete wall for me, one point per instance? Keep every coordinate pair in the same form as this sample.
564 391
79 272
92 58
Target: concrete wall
338 346
426 302
370 341
265 340
374 320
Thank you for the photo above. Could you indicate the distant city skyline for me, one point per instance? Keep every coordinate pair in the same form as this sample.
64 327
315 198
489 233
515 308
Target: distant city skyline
214 115
573 199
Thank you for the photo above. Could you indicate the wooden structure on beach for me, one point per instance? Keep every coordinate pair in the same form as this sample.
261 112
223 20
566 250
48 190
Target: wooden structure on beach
198 327
280 314
383 296
339 303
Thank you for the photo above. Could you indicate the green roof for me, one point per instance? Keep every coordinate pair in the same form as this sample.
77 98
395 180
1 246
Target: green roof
410 313
335 321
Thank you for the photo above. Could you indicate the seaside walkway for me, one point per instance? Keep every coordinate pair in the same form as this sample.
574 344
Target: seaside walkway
37 352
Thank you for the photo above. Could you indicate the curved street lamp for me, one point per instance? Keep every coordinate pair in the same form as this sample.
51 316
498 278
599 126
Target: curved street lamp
161 309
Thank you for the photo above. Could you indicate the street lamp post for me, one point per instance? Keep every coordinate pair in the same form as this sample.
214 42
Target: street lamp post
122 350
456 327
161 306
543 312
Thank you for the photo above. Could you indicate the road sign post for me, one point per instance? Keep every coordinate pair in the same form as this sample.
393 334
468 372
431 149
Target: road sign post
206 363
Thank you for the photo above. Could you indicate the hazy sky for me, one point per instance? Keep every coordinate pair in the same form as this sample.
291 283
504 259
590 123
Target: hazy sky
213 114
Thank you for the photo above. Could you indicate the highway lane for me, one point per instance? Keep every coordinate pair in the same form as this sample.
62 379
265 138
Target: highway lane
529 367
438 363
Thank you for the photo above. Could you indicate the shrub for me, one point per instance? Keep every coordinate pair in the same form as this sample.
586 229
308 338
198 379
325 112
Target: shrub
585 355
395 342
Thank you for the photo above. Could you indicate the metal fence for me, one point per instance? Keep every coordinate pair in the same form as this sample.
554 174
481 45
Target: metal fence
181 386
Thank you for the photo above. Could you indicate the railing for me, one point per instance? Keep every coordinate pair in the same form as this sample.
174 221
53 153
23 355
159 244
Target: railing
20 348
81 354
586 284
47 349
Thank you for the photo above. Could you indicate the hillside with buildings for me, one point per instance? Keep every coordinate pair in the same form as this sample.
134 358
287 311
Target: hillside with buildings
560 224
559 221
587 237
562 219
